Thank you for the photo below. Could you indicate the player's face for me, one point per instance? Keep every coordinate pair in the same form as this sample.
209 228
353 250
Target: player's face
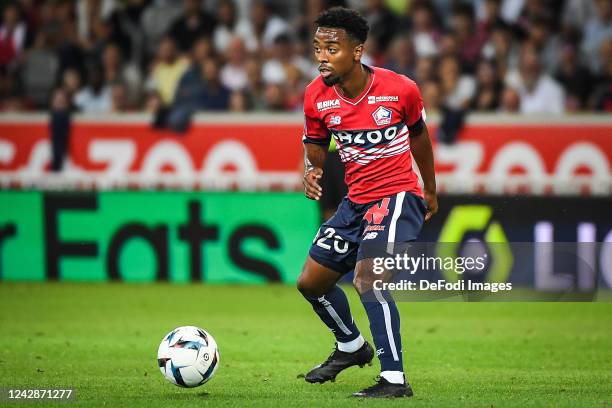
336 54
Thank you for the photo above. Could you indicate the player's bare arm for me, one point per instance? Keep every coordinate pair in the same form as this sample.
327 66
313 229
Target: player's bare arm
420 145
314 158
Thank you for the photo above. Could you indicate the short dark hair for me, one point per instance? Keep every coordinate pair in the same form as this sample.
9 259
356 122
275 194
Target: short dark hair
347 19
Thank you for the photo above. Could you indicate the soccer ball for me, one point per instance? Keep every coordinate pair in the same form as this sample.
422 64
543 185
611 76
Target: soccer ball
188 356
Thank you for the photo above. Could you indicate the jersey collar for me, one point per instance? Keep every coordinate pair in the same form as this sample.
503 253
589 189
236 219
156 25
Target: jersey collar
366 90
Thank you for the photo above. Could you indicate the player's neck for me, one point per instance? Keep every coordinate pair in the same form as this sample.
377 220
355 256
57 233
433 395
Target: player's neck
355 82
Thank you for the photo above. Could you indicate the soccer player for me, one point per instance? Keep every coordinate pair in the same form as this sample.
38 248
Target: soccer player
376 118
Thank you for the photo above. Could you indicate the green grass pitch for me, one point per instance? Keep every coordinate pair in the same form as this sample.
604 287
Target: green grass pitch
102 340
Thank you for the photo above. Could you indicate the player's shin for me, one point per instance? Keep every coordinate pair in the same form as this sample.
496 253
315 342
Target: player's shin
385 326
333 309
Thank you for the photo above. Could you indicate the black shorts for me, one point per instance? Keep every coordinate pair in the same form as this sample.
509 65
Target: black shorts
339 243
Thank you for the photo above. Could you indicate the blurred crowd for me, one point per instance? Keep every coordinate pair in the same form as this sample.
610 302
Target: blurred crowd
177 57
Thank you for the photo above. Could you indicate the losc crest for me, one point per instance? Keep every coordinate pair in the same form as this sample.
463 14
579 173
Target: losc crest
382 116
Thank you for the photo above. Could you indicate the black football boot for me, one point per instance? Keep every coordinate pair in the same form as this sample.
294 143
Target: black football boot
385 389
338 361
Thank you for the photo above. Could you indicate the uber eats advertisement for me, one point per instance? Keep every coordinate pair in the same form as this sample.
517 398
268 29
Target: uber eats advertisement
254 238
143 237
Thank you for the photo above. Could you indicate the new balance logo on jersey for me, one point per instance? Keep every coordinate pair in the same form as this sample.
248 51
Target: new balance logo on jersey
325 105
335 120
382 116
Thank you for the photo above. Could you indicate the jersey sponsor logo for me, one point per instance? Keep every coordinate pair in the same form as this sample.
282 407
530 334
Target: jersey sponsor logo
374 228
330 104
368 138
363 146
382 116
335 120
377 213
386 98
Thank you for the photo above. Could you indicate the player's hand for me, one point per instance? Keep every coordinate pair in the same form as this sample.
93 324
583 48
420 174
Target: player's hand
431 198
311 180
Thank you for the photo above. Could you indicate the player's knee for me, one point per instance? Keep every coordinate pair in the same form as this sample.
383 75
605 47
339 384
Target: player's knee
302 284
360 284
307 287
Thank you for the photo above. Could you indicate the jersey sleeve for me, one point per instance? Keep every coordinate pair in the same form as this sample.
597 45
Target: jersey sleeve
315 131
414 109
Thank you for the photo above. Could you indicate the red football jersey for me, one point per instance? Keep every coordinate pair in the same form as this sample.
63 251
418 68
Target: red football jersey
371 132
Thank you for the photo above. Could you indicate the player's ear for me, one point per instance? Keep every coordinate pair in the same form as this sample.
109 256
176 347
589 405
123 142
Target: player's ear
358 52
